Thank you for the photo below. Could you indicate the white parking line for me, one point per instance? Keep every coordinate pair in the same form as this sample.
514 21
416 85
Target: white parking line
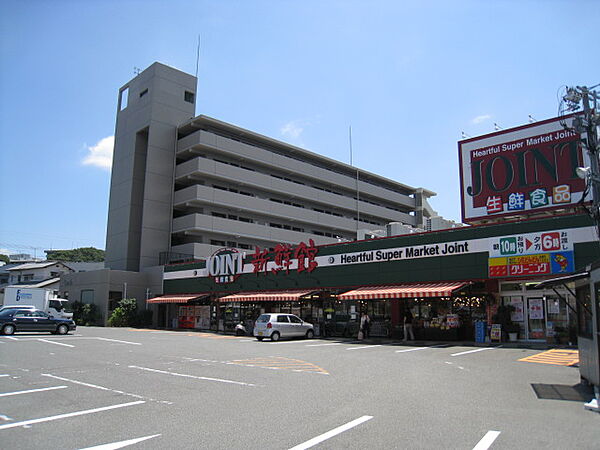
487 440
64 416
290 342
476 350
414 349
116 445
364 346
195 377
57 343
324 345
116 340
7 394
332 433
11 338
102 388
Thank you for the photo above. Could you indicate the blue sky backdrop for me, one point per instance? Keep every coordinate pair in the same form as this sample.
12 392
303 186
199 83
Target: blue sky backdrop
409 77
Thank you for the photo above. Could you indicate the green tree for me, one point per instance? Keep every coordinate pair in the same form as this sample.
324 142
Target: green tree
82 254
4 258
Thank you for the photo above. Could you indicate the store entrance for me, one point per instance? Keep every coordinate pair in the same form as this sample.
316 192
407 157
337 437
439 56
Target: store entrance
536 318
541 314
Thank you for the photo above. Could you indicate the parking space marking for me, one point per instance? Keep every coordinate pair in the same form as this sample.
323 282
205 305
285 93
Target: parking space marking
116 445
414 349
102 388
487 440
290 342
117 340
364 346
324 345
280 362
556 357
56 343
323 437
476 350
67 415
11 338
195 377
7 394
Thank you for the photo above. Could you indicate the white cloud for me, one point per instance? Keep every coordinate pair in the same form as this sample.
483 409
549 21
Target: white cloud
481 118
292 129
101 154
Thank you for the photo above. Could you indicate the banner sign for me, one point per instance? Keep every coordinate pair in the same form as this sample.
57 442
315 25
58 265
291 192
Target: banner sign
532 243
525 169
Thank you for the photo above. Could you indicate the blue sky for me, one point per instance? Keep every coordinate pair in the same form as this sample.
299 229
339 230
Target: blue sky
408 77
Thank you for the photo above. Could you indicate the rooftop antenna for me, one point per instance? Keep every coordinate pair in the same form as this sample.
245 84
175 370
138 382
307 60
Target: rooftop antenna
136 70
497 127
464 135
357 190
198 56
532 119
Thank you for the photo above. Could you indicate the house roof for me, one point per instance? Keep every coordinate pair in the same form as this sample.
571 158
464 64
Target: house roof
40 265
40 284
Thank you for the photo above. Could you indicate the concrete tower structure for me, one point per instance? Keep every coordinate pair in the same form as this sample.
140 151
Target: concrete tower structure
150 108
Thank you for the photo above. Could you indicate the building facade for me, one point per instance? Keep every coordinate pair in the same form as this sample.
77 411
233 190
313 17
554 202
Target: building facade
448 279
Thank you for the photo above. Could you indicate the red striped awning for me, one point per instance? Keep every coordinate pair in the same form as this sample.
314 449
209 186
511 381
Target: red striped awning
175 298
262 296
403 291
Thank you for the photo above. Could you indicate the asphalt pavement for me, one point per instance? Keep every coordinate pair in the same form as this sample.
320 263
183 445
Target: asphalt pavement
151 389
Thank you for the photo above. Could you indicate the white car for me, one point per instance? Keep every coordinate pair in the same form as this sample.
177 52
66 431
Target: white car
278 325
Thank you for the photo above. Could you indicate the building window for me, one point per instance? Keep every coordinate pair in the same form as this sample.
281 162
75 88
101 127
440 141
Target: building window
114 297
218 214
28 277
87 296
123 98
217 243
189 96
144 92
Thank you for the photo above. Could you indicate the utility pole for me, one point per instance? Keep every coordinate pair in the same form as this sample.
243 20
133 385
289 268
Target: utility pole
587 126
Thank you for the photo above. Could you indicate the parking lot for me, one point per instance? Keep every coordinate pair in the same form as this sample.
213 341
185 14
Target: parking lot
159 389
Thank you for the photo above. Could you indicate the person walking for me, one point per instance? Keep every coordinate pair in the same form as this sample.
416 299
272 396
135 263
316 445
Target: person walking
408 326
365 325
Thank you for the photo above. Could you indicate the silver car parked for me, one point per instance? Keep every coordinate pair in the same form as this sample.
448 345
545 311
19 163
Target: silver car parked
278 325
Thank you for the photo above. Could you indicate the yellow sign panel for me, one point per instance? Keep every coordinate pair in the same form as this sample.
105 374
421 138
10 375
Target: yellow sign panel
529 259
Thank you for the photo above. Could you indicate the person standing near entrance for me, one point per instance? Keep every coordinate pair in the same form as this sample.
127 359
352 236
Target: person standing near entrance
408 326
365 325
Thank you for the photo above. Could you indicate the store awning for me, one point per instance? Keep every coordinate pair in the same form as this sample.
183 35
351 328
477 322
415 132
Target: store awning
175 298
403 291
279 296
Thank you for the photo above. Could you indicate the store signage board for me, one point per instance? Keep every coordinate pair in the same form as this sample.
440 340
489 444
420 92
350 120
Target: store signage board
521 170
532 265
304 258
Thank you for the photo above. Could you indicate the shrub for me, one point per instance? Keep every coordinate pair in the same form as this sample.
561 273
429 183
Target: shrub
86 314
125 314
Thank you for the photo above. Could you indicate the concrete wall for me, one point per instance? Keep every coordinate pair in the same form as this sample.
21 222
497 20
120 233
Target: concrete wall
130 284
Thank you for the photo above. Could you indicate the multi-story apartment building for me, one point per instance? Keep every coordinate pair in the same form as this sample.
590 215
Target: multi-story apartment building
185 186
